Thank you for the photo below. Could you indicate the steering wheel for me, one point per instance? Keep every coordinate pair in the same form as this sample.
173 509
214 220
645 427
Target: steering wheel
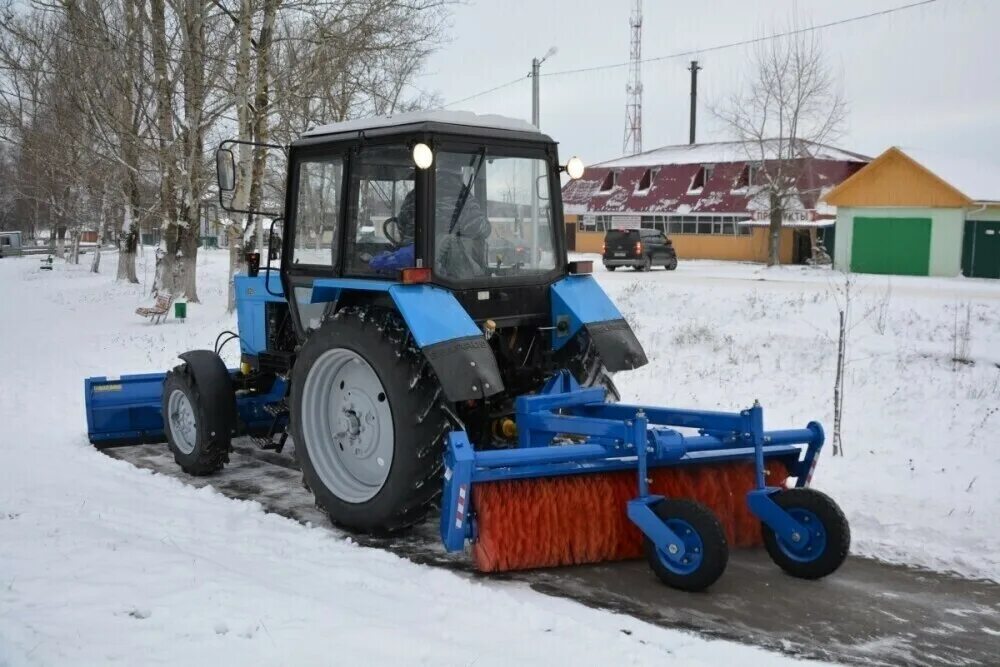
393 232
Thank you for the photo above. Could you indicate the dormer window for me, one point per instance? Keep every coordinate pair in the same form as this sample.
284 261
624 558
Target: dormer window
746 178
610 181
646 181
699 180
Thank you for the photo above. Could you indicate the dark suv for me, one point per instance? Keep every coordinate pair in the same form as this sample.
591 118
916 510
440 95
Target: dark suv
642 249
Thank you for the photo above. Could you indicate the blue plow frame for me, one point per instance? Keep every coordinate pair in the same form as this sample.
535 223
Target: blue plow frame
128 410
604 437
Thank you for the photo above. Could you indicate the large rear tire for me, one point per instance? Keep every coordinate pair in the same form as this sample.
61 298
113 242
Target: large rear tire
366 424
196 450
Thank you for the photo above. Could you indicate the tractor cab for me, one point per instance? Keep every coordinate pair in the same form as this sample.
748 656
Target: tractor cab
468 203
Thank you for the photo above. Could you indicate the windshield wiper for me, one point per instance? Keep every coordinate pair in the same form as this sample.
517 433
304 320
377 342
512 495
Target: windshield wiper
467 188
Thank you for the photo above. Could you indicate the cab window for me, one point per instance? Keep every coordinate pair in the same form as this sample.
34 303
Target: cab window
381 216
317 209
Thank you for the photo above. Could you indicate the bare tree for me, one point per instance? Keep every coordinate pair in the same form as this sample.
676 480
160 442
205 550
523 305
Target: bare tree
790 103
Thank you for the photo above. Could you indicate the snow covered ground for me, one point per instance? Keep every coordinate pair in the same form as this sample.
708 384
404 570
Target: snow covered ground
104 563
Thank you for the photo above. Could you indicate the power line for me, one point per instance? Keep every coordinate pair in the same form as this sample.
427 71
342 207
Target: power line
487 92
709 49
755 40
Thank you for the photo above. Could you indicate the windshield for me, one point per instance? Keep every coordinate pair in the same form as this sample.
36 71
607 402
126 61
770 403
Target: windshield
492 217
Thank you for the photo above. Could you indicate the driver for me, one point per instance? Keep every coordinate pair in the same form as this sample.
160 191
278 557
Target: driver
460 223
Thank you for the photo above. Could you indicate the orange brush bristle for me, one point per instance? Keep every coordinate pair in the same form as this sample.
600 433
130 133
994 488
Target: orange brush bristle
578 519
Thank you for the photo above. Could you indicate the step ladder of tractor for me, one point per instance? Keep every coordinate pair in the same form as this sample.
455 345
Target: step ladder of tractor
273 442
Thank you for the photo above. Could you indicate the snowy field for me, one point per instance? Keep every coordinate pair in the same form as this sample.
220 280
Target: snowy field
101 562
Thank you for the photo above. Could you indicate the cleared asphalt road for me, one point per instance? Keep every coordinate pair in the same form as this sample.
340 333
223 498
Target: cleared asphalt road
868 612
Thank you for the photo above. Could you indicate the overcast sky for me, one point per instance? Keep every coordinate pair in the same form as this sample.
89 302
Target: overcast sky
926 78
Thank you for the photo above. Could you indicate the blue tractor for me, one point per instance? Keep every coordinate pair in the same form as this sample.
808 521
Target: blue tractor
426 343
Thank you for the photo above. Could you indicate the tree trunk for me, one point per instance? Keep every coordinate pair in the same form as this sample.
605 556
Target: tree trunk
128 241
61 241
95 262
74 245
237 260
774 231
164 279
241 198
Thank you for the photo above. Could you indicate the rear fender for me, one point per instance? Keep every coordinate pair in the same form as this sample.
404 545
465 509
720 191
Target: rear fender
442 329
578 302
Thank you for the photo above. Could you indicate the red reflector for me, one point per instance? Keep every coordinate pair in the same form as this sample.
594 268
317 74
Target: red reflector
638 246
581 266
414 275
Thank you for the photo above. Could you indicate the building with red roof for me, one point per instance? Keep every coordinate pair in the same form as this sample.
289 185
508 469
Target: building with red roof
707 199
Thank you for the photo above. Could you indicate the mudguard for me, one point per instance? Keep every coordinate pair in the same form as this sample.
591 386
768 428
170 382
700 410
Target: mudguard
578 302
215 388
442 329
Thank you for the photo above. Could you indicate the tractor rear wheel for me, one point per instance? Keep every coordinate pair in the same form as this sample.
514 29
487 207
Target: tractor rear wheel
196 450
366 424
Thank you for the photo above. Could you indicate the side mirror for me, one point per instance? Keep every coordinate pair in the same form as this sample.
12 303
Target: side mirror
225 169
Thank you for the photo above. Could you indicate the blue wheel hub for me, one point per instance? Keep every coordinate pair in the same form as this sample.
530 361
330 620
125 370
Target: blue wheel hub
812 544
694 549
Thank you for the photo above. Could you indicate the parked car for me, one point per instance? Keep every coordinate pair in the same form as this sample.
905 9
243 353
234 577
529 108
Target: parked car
642 249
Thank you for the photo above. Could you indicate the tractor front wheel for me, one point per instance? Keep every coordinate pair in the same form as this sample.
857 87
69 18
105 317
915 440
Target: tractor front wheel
365 422
827 537
196 449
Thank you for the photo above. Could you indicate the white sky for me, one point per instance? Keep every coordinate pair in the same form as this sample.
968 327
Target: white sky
926 78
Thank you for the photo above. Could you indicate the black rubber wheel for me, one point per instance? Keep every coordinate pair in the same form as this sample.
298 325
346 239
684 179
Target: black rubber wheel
671 264
707 548
195 450
610 268
413 481
830 534
647 264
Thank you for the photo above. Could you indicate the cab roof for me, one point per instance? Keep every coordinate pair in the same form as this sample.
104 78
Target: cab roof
457 122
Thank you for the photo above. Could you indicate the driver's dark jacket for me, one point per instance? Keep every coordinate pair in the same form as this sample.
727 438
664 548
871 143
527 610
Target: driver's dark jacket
461 241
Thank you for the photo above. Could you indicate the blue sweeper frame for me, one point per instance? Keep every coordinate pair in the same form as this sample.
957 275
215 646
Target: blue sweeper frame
612 437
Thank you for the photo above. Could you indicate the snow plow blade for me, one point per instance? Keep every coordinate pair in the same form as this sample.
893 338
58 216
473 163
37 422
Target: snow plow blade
124 410
128 410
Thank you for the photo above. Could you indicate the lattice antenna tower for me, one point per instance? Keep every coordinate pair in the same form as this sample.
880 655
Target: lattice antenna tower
633 89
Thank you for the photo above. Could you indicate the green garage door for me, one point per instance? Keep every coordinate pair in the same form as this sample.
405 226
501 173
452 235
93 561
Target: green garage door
899 246
981 249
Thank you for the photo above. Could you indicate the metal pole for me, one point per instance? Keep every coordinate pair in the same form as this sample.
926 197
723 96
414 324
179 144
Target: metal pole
535 65
535 112
694 98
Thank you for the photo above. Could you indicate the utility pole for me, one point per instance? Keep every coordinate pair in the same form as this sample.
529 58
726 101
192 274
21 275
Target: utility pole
694 98
536 65
633 89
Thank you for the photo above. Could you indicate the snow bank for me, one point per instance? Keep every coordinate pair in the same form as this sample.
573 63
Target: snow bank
104 563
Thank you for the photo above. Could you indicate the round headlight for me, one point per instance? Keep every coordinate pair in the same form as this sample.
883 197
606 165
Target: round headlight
423 156
574 167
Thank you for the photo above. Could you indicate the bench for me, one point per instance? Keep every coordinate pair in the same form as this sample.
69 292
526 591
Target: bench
160 309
